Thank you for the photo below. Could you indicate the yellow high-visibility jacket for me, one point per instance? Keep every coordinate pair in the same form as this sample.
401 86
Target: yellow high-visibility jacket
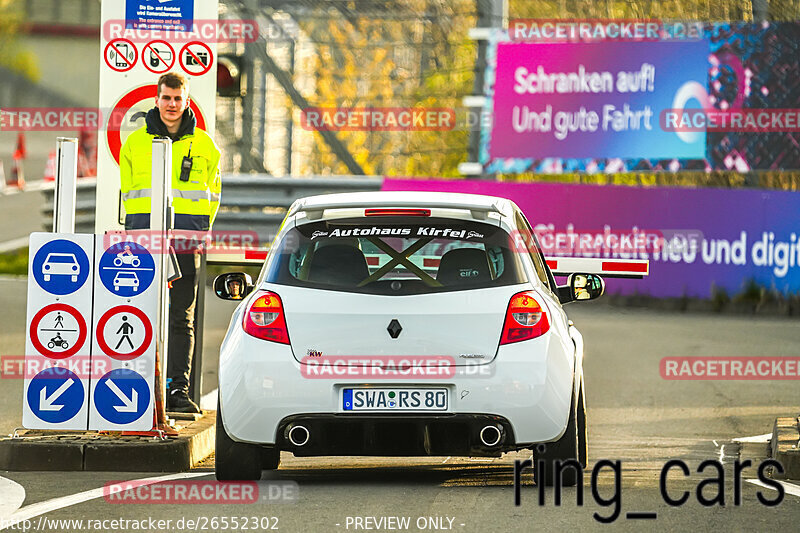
195 202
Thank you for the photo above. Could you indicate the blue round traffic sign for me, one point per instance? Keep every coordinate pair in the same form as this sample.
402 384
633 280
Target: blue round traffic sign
122 396
55 395
126 269
60 267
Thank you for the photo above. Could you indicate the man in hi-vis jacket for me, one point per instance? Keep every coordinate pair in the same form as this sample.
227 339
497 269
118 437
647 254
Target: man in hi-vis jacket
196 195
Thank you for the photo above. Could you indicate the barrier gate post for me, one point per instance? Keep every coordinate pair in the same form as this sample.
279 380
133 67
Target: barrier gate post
65 186
161 220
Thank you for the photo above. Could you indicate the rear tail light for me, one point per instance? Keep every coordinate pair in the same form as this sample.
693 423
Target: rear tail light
397 212
525 319
264 319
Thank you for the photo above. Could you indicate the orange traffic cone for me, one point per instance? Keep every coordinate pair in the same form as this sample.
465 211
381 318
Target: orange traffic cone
18 172
50 168
17 175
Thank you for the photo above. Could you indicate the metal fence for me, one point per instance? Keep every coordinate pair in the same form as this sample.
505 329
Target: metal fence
255 203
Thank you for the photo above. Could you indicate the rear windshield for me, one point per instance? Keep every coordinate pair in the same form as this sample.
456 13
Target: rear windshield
395 256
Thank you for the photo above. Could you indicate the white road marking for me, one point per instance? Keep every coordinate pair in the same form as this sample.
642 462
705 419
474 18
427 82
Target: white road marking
755 438
790 488
12 495
35 509
209 401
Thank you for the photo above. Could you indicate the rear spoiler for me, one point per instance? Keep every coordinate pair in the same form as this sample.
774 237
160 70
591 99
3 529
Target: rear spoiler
315 211
608 268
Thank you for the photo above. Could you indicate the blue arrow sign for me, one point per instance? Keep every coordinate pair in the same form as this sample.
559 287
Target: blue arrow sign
121 396
60 267
126 269
55 395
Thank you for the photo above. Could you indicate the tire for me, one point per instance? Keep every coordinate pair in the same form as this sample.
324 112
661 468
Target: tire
567 448
64 344
235 461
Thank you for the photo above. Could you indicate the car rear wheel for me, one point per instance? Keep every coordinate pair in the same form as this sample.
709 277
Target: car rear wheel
236 461
567 448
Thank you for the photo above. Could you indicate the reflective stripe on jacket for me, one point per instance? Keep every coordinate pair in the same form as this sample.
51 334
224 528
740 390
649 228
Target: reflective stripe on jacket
195 202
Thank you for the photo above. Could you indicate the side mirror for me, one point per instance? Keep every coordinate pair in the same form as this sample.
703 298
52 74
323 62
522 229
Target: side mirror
233 286
585 286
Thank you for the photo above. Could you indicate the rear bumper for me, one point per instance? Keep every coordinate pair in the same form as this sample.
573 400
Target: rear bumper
397 435
526 389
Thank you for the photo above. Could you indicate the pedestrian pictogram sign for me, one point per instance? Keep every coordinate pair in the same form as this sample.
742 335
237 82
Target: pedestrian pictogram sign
121 55
124 332
126 269
56 395
196 58
122 397
158 56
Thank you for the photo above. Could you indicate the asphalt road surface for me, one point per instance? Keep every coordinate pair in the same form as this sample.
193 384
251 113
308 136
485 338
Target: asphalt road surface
634 416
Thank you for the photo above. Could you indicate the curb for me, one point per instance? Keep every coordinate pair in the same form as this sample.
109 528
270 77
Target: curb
92 452
785 445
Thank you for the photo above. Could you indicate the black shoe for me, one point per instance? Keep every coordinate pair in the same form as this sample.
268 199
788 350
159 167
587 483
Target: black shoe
178 401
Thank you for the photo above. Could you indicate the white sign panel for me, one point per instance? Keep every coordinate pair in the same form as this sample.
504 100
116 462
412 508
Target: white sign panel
141 40
57 348
123 340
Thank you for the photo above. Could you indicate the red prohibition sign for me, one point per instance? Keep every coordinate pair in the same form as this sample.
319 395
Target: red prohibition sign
34 331
101 325
116 45
128 101
196 58
146 60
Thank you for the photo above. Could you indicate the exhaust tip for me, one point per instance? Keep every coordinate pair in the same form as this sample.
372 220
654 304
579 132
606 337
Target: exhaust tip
299 435
491 436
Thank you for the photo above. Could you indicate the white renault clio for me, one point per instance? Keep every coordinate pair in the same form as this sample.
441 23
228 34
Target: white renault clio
401 324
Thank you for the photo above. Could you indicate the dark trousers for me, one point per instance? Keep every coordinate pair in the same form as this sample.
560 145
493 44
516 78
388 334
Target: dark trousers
182 301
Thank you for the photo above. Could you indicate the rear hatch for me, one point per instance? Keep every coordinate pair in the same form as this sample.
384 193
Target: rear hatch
463 325
396 287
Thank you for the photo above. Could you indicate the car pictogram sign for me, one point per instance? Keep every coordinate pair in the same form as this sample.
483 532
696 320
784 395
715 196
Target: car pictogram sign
60 267
196 58
126 269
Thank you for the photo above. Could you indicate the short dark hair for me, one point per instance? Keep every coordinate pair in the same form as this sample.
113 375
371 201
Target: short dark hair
173 80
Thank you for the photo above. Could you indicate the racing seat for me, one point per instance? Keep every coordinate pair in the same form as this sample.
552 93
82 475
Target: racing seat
338 264
464 266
